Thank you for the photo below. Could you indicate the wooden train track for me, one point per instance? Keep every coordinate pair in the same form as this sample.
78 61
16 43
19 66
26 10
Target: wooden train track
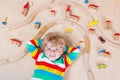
21 56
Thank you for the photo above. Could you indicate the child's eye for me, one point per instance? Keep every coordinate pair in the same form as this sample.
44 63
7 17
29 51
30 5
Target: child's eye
57 49
49 49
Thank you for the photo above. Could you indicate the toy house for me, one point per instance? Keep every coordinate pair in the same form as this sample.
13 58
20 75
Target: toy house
53 12
68 11
104 53
107 25
93 6
16 41
74 17
26 9
37 25
91 30
5 21
70 15
116 36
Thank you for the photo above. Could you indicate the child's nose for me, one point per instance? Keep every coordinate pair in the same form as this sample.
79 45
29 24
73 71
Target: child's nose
53 51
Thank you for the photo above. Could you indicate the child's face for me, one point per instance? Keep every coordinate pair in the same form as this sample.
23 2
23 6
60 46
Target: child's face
53 52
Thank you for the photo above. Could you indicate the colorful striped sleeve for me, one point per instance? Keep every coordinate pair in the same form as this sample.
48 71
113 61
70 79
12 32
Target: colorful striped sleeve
72 53
33 47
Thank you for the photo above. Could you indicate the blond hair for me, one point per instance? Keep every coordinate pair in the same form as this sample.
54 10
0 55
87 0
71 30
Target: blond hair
55 38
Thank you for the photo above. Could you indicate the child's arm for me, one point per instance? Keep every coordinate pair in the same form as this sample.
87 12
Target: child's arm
72 53
70 49
33 47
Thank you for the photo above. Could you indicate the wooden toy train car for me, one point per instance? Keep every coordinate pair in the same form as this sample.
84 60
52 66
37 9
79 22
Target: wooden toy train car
16 41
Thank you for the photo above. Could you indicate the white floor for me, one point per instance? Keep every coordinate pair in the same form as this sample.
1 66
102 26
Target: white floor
16 65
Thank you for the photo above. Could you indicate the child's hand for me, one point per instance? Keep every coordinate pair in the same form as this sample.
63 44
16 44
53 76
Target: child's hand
68 38
67 34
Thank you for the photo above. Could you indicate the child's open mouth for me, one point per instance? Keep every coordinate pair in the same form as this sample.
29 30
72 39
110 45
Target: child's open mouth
52 55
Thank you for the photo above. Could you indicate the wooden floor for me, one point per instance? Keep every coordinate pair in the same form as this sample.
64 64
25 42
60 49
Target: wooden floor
15 64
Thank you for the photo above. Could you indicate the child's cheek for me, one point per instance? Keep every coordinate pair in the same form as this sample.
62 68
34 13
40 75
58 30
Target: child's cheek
46 52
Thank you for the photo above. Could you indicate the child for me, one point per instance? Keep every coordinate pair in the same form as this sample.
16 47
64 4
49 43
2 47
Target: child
47 53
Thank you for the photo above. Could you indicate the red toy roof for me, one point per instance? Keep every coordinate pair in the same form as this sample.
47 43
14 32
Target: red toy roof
68 8
93 5
118 34
107 21
52 10
16 40
74 15
107 52
27 5
91 29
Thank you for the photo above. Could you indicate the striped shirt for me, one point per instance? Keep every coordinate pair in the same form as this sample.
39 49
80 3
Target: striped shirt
46 69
